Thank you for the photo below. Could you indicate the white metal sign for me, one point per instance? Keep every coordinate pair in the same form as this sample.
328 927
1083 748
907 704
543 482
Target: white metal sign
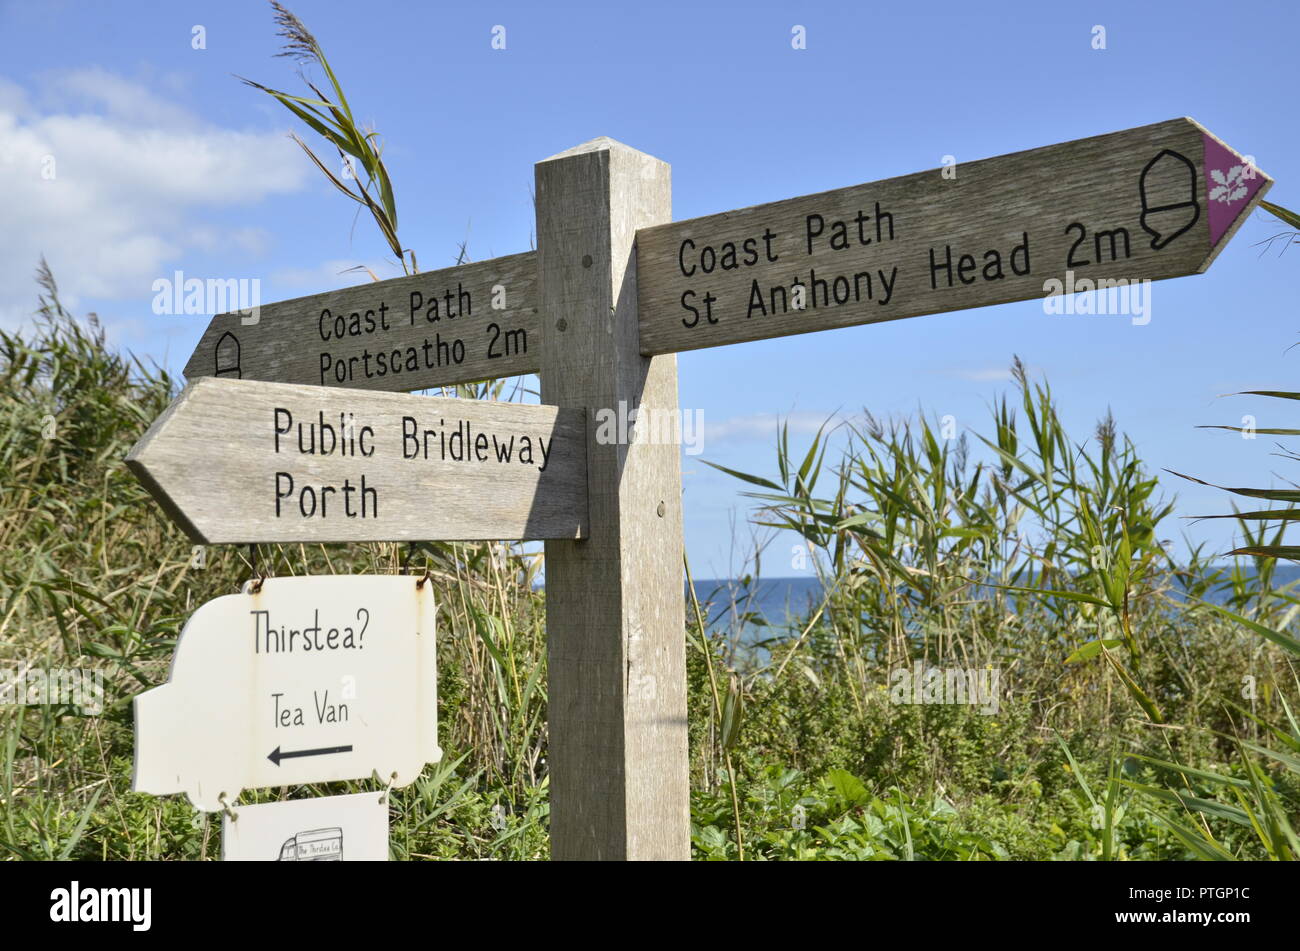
309 679
328 829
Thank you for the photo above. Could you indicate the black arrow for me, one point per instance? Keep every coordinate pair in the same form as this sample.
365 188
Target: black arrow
276 756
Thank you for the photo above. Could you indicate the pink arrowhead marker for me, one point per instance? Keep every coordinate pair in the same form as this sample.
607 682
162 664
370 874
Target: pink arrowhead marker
1230 183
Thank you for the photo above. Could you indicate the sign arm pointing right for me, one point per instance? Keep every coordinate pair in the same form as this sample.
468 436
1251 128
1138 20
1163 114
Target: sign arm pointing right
1144 204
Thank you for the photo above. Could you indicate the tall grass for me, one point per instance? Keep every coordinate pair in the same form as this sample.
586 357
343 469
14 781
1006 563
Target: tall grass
1042 558
1022 550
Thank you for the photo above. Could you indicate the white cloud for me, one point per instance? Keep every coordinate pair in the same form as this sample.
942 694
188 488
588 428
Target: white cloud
765 426
130 174
114 96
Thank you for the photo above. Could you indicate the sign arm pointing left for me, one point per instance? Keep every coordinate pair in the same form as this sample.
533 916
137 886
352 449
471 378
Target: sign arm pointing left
240 461
142 471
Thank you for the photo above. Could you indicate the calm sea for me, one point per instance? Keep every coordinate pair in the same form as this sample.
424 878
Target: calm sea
780 602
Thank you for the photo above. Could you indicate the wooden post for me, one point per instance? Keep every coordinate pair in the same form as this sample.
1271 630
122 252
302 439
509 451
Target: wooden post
614 607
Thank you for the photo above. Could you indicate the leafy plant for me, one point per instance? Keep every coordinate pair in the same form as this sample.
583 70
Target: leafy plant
332 119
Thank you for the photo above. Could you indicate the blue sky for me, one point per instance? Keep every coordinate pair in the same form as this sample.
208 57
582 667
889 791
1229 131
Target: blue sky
166 162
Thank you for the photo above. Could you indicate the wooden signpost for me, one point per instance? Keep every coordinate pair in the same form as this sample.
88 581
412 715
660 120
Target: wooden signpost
615 616
613 291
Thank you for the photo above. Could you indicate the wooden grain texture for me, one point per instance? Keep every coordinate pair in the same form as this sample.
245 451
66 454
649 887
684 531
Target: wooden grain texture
1066 202
614 608
436 328
217 461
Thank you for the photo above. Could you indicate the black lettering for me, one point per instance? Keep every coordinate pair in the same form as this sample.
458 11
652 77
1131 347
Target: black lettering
681 257
946 266
288 424
965 264
1083 234
993 267
883 216
695 314
280 479
409 430
1114 237
888 284
839 236
825 289
373 494
809 232
1023 246
857 289
728 261
861 221
777 299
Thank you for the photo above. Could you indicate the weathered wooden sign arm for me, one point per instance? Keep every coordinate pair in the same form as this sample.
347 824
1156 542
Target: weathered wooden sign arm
471 322
234 461
1150 203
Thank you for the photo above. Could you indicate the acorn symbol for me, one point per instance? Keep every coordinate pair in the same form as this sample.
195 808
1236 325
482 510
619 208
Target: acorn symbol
227 350
1168 189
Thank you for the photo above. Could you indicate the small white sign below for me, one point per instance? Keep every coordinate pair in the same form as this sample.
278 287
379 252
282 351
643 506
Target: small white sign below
309 679
328 829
